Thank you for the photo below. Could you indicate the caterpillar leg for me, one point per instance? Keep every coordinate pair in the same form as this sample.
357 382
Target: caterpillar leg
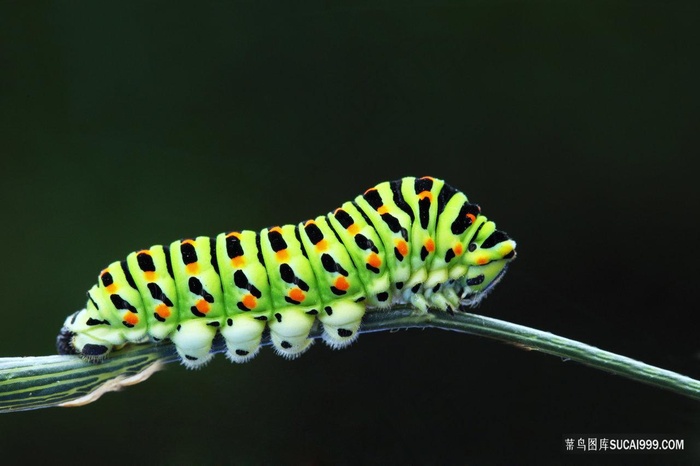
193 340
444 299
242 334
89 348
341 323
289 332
419 302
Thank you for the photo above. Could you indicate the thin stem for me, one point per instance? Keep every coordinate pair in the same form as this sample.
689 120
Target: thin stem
41 382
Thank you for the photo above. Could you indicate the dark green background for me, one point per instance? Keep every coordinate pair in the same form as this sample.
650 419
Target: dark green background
574 124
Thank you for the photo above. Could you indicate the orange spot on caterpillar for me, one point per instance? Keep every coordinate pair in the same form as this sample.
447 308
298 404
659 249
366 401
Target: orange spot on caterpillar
370 190
341 283
425 194
144 251
238 261
130 318
322 245
354 229
111 289
188 241
282 255
163 310
276 229
202 306
471 217
382 210
234 234
458 249
249 301
297 295
374 260
309 222
193 268
482 261
150 276
430 244
428 178
402 246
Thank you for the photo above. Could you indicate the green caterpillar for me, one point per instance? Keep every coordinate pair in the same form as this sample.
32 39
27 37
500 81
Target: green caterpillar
413 240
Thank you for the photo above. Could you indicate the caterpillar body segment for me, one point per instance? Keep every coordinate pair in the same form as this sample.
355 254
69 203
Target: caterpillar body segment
200 297
413 240
247 295
153 275
340 288
366 249
295 296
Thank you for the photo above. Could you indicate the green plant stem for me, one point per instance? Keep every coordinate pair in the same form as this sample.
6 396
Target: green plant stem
40 382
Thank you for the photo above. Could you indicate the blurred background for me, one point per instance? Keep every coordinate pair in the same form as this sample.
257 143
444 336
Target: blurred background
573 124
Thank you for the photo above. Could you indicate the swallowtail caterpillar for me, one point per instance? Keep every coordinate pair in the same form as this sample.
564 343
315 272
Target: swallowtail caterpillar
413 241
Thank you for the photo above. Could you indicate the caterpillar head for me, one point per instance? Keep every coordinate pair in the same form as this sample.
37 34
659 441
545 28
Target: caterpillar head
487 257
75 337
64 342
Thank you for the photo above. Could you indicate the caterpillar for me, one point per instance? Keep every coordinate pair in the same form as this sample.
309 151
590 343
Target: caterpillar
415 241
